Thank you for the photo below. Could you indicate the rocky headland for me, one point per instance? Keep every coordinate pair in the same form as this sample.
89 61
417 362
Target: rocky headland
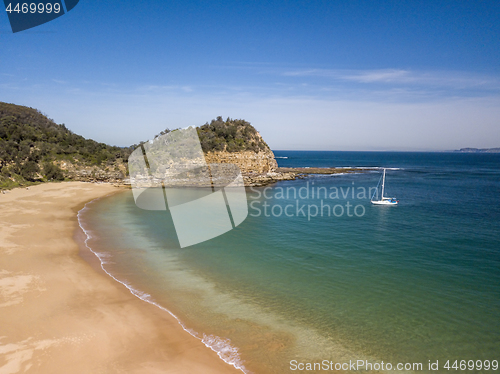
34 149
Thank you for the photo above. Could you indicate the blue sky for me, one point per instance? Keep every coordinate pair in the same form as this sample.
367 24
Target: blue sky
326 75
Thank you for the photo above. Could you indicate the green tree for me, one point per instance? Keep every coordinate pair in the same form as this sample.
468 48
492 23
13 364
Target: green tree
29 170
52 172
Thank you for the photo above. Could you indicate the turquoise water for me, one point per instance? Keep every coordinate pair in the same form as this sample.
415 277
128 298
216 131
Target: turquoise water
412 283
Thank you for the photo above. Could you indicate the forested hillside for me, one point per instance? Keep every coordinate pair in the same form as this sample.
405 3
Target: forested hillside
33 148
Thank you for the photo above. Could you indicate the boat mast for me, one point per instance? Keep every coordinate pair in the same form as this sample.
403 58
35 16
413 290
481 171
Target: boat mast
383 183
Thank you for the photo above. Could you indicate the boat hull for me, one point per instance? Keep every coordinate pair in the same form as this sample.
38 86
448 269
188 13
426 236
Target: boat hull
384 202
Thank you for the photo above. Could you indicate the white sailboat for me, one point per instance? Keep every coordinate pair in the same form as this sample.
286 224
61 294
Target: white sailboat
384 200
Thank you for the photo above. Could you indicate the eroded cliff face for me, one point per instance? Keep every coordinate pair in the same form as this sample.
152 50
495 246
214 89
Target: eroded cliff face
256 163
114 173
257 167
249 162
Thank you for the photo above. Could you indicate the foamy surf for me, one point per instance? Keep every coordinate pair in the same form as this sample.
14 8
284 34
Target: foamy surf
381 168
223 347
327 175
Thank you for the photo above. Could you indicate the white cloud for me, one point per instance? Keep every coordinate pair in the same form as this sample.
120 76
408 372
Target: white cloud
458 80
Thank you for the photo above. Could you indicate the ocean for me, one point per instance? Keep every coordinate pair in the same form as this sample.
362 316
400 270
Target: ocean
317 274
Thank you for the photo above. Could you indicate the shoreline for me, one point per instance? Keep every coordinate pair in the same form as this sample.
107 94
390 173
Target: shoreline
59 315
250 179
82 237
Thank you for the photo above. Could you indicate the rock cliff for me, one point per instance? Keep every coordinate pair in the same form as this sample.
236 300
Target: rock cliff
249 162
114 173
238 142
257 168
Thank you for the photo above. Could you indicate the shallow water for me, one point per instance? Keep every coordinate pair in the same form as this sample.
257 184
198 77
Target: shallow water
411 283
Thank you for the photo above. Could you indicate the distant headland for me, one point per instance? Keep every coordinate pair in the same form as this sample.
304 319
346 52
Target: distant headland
479 150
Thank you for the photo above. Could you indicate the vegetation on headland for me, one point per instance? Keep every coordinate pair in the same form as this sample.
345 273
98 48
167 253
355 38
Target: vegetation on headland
34 149
231 135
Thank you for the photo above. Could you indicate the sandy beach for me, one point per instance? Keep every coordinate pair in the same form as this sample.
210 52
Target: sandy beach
59 315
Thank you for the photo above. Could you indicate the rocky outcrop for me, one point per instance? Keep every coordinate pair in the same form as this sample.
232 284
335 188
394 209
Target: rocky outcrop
237 142
257 180
114 173
257 168
248 161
